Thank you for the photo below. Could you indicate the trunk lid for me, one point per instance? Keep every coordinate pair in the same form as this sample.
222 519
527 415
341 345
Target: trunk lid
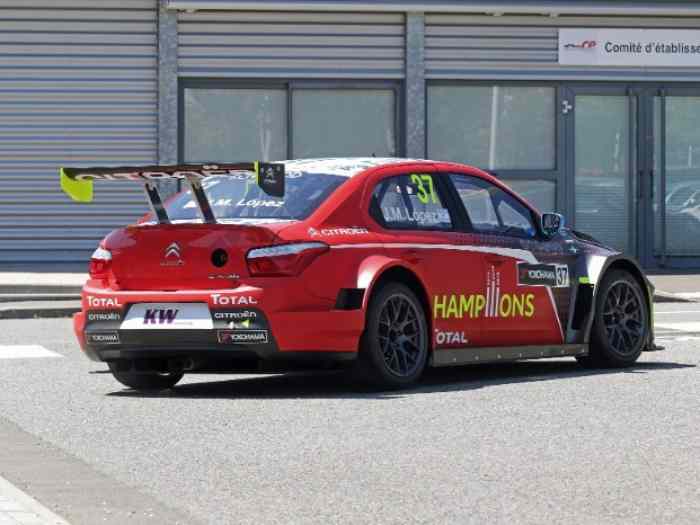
184 256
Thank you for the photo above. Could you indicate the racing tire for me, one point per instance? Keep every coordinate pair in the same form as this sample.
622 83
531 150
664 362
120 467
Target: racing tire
620 324
394 347
146 381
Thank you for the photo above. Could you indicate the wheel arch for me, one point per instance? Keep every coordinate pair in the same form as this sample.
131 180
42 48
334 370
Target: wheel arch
632 267
393 270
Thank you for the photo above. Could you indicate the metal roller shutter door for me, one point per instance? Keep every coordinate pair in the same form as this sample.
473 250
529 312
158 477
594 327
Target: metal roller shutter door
247 44
525 48
77 87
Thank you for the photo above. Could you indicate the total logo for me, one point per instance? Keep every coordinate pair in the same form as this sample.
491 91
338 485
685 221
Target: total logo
103 302
450 338
232 300
494 304
332 232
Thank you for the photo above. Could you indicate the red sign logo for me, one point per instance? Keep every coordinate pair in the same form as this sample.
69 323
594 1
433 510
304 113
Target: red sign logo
586 44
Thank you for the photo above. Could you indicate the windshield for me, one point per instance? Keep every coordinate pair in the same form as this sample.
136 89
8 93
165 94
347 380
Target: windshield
239 197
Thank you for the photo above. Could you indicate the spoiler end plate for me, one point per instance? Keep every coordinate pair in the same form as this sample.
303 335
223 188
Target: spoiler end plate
78 190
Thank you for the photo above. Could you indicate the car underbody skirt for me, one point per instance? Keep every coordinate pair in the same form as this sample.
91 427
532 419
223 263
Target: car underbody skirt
462 356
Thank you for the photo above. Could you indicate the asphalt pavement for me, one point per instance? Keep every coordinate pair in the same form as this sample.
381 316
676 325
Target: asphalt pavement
532 442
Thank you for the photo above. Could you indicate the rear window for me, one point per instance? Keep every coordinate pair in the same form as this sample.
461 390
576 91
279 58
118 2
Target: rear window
239 197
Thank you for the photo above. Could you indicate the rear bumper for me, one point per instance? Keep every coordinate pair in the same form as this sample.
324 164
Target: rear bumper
240 331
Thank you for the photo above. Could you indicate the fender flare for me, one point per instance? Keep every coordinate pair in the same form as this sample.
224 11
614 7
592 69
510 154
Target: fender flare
374 267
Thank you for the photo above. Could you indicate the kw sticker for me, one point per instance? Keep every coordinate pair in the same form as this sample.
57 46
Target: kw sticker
493 304
160 316
552 275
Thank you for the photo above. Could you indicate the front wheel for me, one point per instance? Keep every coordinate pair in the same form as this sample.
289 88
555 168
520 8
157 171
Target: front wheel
394 347
621 323
145 381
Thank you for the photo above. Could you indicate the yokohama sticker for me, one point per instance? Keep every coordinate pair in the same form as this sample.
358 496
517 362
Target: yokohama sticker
242 337
552 275
103 338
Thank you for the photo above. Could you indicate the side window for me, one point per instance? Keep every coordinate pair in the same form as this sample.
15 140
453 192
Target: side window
410 202
492 210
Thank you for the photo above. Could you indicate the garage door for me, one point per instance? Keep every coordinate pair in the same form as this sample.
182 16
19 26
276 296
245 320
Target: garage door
77 88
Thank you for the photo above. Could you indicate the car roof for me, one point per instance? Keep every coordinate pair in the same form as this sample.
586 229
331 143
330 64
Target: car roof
346 167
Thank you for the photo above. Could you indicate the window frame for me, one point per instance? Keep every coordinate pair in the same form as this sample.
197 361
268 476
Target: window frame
534 217
290 85
446 196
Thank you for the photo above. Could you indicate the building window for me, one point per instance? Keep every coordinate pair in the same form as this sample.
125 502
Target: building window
343 123
493 127
235 124
227 121
541 193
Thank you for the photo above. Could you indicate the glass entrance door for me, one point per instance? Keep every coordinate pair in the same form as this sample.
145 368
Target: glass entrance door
632 158
604 162
676 177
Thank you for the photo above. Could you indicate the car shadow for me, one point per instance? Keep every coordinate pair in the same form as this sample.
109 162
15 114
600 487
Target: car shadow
338 385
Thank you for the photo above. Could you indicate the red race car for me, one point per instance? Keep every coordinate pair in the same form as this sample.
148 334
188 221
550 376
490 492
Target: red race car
385 266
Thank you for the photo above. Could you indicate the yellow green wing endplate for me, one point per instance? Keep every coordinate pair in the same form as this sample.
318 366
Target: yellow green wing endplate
78 190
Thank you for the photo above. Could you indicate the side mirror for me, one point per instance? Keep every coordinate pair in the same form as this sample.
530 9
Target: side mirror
552 223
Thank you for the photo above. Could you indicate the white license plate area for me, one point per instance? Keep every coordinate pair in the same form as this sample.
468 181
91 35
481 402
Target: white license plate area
168 316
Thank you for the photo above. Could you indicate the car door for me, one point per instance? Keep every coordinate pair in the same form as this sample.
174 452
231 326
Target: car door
420 227
520 306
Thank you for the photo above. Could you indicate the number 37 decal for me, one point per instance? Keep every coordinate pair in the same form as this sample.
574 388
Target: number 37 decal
426 190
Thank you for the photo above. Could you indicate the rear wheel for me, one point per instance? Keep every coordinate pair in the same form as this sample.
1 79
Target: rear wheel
621 324
394 348
145 381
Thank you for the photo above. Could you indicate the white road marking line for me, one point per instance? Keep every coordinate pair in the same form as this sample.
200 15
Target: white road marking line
18 507
689 295
657 312
682 327
680 339
25 352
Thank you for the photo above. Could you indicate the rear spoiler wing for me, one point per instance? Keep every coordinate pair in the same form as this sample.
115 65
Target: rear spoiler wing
77 182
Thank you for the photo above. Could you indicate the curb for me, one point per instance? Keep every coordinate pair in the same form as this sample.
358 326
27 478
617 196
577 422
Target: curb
11 289
28 310
34 297
22 504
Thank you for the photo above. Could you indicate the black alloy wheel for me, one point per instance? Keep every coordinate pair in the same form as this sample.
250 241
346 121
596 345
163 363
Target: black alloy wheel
621 323
395 344
623 317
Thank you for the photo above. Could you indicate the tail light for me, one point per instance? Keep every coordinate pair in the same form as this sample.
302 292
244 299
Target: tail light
283 259
100 263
